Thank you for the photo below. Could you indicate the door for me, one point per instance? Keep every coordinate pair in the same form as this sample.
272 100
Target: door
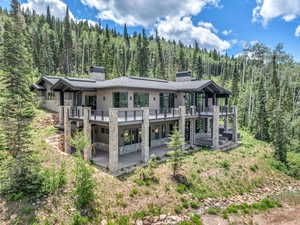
91 101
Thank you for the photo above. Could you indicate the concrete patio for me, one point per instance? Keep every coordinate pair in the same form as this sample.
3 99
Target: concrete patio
130 159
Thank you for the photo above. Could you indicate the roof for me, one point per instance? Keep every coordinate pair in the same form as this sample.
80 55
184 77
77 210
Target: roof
77 84
37 87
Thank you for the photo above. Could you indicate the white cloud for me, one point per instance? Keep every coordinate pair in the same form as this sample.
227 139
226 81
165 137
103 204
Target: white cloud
209 26
226 32
57 7
176 28
269 9
297 32
146 12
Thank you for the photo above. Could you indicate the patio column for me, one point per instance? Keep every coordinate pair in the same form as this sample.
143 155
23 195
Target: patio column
145 135
182 120
215 128
192 131
67 129
113 159
87 130
226 115
235 124
61 116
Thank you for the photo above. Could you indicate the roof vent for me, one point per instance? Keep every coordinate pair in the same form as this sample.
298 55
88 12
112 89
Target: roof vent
97 73
183 76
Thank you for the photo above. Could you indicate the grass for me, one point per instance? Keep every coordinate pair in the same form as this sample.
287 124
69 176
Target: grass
207 174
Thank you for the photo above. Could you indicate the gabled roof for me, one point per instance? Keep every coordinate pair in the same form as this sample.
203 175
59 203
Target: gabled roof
81 84
38 87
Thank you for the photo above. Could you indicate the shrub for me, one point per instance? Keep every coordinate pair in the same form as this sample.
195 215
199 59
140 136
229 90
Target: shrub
225 164
178 209
133 192
194 205
77 219
213 211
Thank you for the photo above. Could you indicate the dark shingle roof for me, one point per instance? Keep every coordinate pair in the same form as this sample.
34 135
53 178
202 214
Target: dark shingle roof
137 83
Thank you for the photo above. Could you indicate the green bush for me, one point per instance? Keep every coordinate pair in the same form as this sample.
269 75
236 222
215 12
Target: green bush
77 219
213 211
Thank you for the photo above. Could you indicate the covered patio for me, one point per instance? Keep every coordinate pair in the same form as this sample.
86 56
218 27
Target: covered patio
129 159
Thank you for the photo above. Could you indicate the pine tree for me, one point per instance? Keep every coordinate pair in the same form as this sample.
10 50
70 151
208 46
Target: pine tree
262 128
235 85
68 44
176 143
16 110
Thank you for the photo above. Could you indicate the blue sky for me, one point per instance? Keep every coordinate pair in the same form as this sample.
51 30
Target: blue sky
226 25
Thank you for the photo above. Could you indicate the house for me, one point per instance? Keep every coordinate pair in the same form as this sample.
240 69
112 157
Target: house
129 118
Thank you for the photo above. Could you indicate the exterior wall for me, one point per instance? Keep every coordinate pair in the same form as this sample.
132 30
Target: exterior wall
52 105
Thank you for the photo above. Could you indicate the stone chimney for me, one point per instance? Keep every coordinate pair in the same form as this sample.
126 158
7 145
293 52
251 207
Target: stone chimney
183 76
97 73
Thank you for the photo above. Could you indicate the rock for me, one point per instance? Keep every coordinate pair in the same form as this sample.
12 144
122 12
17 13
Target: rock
162 217
139 222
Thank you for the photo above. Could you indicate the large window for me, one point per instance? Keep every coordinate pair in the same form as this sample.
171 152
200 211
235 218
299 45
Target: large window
141 100
132 136
120 99
167 100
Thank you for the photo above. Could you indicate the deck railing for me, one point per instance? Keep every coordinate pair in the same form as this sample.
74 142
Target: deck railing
154 114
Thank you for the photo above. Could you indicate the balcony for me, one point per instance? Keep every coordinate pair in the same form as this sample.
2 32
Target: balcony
136 115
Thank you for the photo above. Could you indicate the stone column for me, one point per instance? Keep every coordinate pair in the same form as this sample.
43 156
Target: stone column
192 131
87 131
215 128
61 116
145 135
67 129
182 120
235 124
113 161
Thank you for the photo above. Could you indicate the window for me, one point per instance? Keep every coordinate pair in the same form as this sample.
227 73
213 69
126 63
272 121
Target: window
141 100
132 136
77 99
167 100
51 95
120 99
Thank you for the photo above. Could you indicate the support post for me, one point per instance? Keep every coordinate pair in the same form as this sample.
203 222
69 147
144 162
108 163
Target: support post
67 129
226 115
182 121
215 128
192 131
113 160
87 131
145 135
61 116
235 124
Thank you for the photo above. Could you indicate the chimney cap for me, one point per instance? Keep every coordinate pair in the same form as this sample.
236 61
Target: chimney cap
184 74
97 69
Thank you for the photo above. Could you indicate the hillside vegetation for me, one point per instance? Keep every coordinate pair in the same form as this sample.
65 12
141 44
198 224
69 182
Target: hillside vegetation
207 175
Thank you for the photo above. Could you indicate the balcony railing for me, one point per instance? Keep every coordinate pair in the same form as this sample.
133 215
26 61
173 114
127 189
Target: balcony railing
154 114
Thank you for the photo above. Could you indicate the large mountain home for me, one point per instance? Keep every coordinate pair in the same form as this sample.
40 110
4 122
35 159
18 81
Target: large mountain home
127 119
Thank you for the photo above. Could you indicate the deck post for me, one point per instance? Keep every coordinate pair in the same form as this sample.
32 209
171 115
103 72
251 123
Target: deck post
67 129
235 124
192 131
113 161
61 116
87 131
145 135
215 128
182 120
